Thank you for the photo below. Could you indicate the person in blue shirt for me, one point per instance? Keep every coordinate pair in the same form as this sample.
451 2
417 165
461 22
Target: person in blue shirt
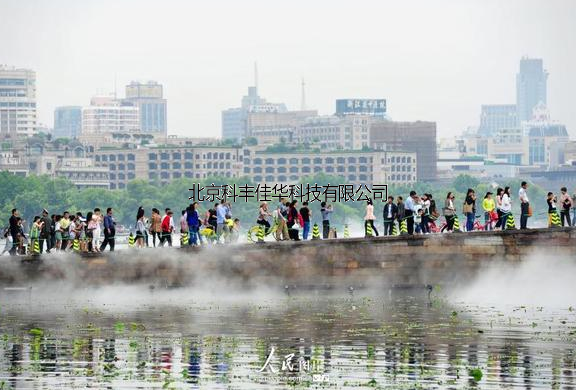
193 220
109 231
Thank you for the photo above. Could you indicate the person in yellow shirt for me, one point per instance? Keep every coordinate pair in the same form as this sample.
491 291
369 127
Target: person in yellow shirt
489 207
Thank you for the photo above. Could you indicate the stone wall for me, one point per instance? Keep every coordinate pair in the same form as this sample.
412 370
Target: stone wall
445 259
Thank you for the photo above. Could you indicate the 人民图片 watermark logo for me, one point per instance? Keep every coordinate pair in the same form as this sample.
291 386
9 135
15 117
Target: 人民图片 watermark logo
293 368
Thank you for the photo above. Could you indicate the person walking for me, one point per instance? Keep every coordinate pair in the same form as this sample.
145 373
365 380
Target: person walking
156 226
425 212
222 211
524 205
14 231
65 228
552 210
91 225
292 220
401 211
566 204
167 228
306 214
45 232
469 209
369 219
193 221
325 211
449 212
409 210
489 206
506 207
109 231
499 193
97 233
281 220
389 215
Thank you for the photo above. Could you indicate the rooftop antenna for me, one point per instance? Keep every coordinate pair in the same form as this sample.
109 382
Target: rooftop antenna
115 89
303 100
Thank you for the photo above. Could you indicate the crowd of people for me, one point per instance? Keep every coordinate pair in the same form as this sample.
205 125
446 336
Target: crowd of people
96 231
418 214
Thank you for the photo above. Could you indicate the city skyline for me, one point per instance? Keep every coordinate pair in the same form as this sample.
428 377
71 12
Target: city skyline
475 47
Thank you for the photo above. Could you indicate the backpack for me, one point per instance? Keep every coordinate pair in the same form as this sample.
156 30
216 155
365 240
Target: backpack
5 233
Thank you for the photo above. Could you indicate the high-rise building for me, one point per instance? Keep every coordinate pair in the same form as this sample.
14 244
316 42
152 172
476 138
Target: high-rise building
18 115
419 137
148 97
495 117
108 115
530 87
235 120
67 122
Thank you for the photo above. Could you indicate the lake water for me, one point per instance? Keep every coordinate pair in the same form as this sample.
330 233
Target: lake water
150 338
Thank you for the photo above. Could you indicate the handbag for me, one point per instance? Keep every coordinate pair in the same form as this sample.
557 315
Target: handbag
466 208
529 211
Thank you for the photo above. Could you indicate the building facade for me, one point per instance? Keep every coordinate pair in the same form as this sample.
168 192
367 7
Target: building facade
161 165
418 137
149 98
18 115
531 87
109 115
67 122
494 117
235 120
354 167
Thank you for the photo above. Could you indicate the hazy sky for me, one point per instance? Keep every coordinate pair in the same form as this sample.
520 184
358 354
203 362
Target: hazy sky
432 60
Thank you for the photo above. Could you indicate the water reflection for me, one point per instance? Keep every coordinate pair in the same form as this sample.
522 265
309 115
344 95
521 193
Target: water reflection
349 341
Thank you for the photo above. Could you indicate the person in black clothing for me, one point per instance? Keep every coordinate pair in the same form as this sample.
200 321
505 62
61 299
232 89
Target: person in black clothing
212 217
109 231
14 230
292 220
305 213
389 214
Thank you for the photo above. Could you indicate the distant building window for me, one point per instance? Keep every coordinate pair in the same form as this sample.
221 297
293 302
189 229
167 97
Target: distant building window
281 161
164 165
164 156
131 157
131 166
188 156
351 160
188 165
152 156
153 166
281 169
176 165
257 161
294 161
120 157
176 156
269 169
362 160
306 161
112 157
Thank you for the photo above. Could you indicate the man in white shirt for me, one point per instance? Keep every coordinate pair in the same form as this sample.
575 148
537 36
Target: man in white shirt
524 205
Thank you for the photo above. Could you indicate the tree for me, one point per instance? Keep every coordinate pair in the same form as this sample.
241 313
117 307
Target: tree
463 182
